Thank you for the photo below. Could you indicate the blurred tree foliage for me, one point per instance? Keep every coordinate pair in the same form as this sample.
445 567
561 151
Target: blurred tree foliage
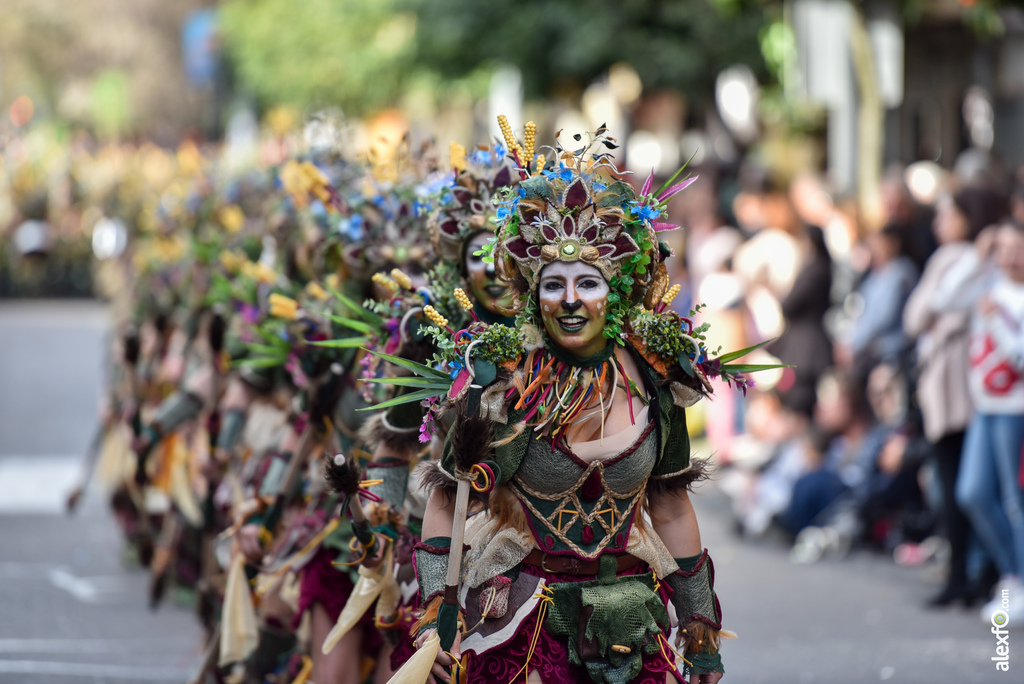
559 43
349 52
362 55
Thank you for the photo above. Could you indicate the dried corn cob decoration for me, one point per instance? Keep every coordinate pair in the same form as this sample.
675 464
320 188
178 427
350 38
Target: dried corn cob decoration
529 138
316 291
669 296
457 155
401 278
435 316
283 307
463 299
506 131
385 282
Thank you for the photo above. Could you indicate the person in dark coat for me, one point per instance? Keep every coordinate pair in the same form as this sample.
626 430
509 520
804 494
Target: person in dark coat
805 344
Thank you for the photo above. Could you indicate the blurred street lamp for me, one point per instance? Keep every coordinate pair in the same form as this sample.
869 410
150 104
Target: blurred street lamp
737 95
925 180
505 97
646 151
109 238
625 83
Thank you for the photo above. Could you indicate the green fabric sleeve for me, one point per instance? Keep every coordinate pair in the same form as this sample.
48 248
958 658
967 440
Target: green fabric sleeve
675 440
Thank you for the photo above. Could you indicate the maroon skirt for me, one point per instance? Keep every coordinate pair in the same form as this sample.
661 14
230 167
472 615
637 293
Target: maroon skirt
322 582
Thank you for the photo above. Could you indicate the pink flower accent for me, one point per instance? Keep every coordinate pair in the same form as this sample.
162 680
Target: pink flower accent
647 185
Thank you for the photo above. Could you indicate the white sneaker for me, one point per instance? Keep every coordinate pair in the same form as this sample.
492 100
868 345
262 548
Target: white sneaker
809 546
1014 606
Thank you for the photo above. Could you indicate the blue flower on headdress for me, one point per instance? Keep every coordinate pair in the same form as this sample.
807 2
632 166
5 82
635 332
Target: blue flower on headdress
508 207
420 208
644 212
483 157
564 174
351 228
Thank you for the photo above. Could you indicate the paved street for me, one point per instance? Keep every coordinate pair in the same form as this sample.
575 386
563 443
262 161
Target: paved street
69 612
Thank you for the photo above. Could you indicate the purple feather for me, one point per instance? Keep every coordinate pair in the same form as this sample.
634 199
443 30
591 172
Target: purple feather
675 189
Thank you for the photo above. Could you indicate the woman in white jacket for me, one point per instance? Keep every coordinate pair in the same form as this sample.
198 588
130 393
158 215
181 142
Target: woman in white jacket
988 488
942 359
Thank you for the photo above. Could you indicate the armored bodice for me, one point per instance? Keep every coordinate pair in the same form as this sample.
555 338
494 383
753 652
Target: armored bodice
579 508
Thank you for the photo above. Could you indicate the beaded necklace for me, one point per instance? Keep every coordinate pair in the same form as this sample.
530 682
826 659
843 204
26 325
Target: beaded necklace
555 387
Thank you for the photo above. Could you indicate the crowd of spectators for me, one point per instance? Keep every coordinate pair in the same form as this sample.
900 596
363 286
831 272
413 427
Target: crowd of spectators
899 424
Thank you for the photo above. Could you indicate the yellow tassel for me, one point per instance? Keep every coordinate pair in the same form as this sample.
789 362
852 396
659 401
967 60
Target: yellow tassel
307 669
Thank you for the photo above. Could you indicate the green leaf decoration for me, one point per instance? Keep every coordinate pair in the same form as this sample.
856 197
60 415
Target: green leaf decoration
753 367
616 194
418 368
264 349
358 326
357 309
422 383
405 399
732 356
538 187
667 184
344 343
261 362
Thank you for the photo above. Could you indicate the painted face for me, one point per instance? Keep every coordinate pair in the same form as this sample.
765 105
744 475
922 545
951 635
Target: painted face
573 306
484 286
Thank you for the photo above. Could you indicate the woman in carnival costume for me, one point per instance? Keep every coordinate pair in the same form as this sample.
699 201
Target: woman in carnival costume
586 560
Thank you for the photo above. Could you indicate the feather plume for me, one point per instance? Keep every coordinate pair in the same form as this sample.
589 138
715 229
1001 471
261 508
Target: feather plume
341 478
698 471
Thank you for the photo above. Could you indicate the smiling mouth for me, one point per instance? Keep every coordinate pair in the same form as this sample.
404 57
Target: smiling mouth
495 291
571 324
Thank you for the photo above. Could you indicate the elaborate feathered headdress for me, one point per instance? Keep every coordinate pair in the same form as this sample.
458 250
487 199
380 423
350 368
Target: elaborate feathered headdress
467 208
579 210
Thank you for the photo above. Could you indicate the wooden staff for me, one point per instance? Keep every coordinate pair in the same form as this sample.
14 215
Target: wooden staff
448 611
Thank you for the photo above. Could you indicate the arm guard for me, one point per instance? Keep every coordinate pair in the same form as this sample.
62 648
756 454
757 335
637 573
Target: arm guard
698 611
175 410
231 429
431 565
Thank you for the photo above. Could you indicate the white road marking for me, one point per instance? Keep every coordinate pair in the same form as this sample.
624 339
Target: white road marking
129 672
82 589
37 484
92 646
